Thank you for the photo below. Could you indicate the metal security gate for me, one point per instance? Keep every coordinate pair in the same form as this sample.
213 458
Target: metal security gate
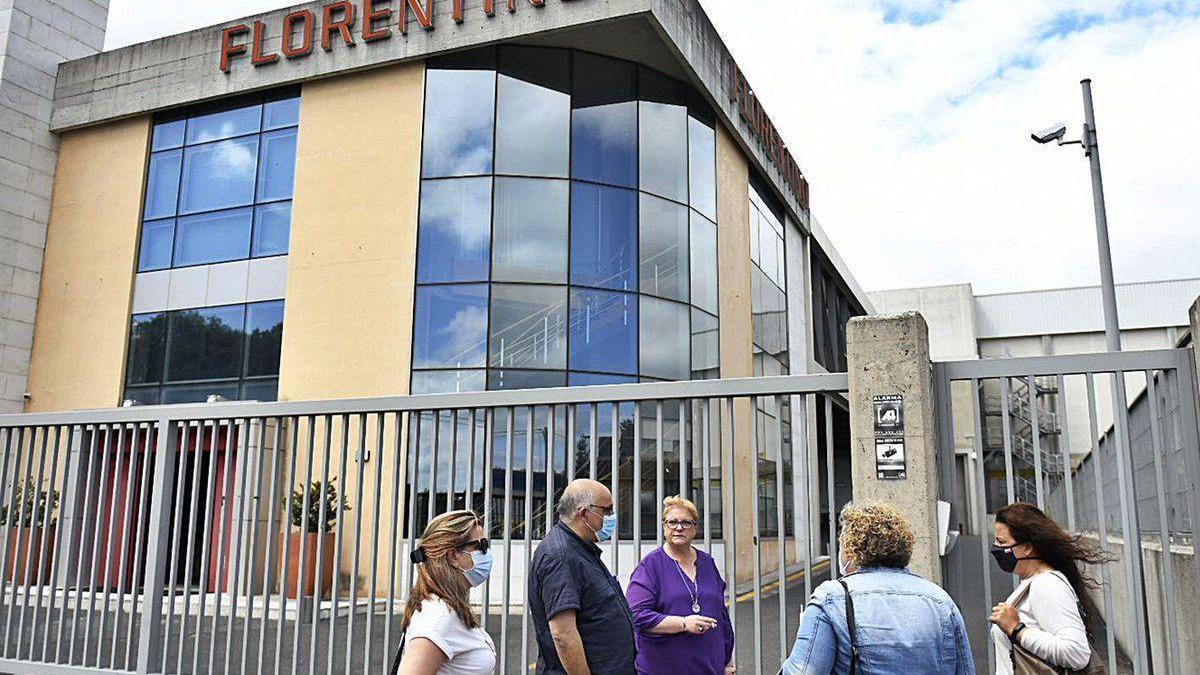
274 537
1107 445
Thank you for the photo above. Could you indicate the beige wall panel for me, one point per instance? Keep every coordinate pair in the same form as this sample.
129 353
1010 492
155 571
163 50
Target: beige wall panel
348 320
348 316
82 319
737 348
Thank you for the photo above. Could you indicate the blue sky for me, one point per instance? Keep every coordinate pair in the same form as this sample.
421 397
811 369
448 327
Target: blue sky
912 119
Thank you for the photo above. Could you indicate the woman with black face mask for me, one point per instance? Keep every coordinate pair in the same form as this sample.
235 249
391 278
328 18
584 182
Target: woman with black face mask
1044 615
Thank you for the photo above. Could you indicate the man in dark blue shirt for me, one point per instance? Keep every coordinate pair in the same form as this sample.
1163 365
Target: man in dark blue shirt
583 623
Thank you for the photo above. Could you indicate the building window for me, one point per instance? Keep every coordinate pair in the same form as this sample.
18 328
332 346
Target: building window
219 183
567 230
833 307
184 356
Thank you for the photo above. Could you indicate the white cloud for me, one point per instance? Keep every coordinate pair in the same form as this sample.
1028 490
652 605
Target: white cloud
915 134
912 119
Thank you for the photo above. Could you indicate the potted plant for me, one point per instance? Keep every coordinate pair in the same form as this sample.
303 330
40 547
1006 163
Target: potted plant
31 521
313 530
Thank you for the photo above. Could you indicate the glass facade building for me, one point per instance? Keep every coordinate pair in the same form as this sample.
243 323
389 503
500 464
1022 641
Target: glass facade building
567 224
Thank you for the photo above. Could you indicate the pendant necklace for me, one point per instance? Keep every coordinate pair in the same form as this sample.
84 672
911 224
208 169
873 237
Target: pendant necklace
693 592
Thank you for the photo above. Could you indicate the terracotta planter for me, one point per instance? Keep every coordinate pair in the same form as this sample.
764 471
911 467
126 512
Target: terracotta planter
302 554
25 565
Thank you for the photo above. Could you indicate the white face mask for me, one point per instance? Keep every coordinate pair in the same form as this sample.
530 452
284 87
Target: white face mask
844 566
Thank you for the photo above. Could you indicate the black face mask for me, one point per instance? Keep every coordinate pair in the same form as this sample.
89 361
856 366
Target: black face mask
1006 559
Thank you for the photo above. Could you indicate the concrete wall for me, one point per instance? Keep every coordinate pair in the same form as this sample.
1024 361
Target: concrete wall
79 344
949 311
35 36
1185 594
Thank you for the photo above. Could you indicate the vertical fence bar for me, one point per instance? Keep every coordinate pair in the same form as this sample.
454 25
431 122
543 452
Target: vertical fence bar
16 497
756 530
305 505
469 498
252 506
86 534
780 530
150 644
1006 427
810 453
414 458
508 487
595 449
1035 433
831 490
530 414
568 449
177 519
1130 527
285 532
140 513
1065 442
318 567
272 513
489 421
393 540
203 571
660 474
221 556
614 476
635 495
354 552
373 586
31 507
11 497
1163 525
57 548
729 524
551 413
235 507
1101 521
433 466
338 539
452 477
684 456
706 470
981 503
127 516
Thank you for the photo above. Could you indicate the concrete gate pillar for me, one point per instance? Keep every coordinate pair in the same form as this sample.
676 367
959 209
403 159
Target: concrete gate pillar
888 356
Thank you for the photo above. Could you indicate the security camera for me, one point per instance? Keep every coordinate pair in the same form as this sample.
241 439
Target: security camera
1054 133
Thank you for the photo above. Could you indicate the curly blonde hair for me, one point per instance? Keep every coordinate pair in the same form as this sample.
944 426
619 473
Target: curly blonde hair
876 535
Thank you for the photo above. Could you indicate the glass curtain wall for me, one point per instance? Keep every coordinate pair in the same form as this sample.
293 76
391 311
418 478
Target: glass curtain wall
768 295
567 236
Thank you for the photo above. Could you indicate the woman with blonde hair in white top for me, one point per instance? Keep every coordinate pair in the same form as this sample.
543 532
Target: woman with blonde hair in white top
441 635
1044 616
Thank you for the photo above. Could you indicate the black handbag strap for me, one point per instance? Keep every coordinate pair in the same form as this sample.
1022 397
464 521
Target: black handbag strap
399 653
850 627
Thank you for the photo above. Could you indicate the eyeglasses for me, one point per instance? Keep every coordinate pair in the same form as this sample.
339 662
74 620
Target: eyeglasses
679 524
481 545
604 510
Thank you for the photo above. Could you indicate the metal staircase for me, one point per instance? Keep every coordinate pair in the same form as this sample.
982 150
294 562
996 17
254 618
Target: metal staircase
1020 423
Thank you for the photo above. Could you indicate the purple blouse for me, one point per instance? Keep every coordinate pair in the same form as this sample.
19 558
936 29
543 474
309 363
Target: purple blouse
658 589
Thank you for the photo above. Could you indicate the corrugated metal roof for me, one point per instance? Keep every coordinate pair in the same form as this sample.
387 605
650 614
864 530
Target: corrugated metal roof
1154 304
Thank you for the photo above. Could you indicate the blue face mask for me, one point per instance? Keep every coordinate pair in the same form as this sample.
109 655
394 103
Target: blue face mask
482 569
608 529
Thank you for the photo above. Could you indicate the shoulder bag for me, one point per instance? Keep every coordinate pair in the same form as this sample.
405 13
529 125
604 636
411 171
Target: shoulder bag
1025 662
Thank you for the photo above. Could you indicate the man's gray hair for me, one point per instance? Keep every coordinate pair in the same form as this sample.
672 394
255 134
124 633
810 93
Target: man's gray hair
573 500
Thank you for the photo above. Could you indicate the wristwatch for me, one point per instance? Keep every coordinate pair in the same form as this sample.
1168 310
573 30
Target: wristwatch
1016 632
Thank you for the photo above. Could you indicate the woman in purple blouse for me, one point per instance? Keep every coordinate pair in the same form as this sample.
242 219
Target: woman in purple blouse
678 602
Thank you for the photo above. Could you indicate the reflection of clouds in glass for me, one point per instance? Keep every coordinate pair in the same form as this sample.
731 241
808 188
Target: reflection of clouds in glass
531 230
532 129
612 125
233 161
464 337
458 122
456 209
663 149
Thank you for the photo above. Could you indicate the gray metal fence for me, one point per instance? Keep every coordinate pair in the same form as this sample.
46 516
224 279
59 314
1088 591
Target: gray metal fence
274 537
1138 475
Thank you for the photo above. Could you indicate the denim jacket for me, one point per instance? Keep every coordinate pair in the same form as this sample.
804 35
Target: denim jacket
904 624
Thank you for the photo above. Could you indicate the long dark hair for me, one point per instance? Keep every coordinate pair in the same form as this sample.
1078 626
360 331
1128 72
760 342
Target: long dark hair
1064 552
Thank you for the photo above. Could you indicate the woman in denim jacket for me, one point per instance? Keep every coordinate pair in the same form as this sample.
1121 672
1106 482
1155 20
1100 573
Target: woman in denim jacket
903 623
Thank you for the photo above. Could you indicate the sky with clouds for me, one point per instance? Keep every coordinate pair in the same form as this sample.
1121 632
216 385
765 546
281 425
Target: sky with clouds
911 119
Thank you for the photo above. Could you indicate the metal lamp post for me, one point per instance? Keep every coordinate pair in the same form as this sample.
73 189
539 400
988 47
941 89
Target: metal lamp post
1112 333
